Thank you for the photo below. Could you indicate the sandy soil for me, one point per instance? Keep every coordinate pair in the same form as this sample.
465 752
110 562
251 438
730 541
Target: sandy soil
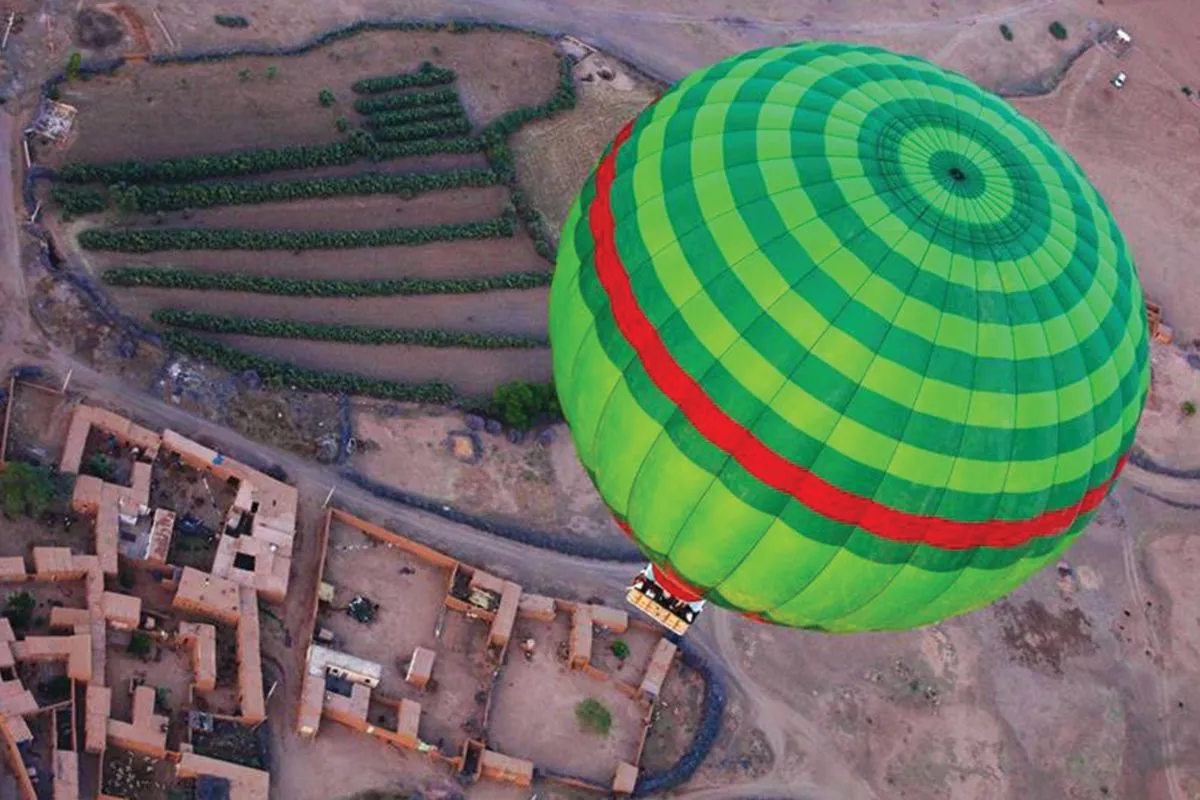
38 424
522 311
534 485
168 669
472 372
1168 434
533 709
150 112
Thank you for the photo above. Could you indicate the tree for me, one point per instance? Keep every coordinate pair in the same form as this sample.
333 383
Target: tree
139 644
74 62
1058 30
1187 408
326 98
1006 32
101 466
519 405
593 717
272 72
19 609
620 649
26 489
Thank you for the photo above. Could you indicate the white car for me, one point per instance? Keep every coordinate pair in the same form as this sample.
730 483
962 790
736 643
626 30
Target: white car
1119 80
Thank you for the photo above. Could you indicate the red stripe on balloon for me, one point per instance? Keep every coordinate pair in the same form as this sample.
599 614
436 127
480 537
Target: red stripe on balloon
755 457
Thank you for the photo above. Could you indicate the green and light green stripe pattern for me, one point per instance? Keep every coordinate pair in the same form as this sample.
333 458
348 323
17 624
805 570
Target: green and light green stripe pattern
893 280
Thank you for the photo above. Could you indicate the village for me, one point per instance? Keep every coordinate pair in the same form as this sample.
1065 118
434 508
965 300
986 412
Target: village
131 661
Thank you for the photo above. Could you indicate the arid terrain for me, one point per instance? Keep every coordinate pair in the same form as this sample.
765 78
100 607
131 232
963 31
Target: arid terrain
1083 684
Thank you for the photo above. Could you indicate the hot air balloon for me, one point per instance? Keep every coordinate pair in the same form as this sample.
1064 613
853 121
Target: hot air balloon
844 342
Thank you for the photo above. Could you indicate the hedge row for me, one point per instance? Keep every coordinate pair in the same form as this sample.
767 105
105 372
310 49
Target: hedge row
431 97
155 198
355 334
387 119
289 287
424 130
277 374
155 239
495 139
257 161
75 200
427 75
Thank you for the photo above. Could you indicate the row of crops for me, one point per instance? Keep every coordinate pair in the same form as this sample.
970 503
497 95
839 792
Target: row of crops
405 114
351 334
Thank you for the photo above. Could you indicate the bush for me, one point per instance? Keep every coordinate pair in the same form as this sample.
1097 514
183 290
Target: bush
290 287
140 644
75 200
452 126
326 98
280 374
26 489
244 75
241 163
1187 90
1188 408
356 334
227 21
1006 32
342 124
1058 30
74 62
427 75
100 466
149 240
388 119
620 649
271 72
406 100
593 717
19 609
519 405
152 199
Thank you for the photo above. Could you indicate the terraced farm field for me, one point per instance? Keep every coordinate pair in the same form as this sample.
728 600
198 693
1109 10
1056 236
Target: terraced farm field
344 220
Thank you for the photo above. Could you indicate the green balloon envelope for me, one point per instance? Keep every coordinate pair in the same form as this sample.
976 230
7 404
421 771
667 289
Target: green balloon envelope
844 341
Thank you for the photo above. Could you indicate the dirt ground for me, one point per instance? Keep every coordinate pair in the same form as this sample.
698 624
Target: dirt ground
675 720
539 486
533 709
408 590
632 668
38 424
167 669
1169 434
150 112
520 311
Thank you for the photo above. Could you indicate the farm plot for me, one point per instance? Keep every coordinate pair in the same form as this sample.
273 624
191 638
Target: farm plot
288 186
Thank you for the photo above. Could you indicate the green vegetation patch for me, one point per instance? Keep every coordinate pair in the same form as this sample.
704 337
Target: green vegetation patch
1058 30
401 116
149 240
292 287
354 334
427 75
593 717
389 102
423 130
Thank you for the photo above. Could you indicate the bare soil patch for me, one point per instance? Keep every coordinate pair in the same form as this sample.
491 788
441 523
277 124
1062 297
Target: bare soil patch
555 156
19 536
360 212
469 371
151 112
1168 433
640 643
676 718
518 311
450 259
533 710
165 669
38 426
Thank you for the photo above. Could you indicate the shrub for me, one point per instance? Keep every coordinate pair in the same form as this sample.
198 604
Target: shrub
356 334
271 72
18 610
1188 408
1006 32
1187 90
290 287
26 489
427 75
149 240
387 119
140 644
424 130
519 405
227 21
1058 30
620 649
280 374
593 717
406 100
326 98
240 163
101 466
76 200
74 62
342 124
244 75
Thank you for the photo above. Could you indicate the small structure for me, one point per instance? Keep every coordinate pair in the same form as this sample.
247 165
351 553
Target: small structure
581 637
98 703
656 673
612 619
207 595
506 615
245 783
499 767
324 661
249 657
66 775
420 667
161 531
146 732
625 779
201 639
54 121
122 611
537 607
